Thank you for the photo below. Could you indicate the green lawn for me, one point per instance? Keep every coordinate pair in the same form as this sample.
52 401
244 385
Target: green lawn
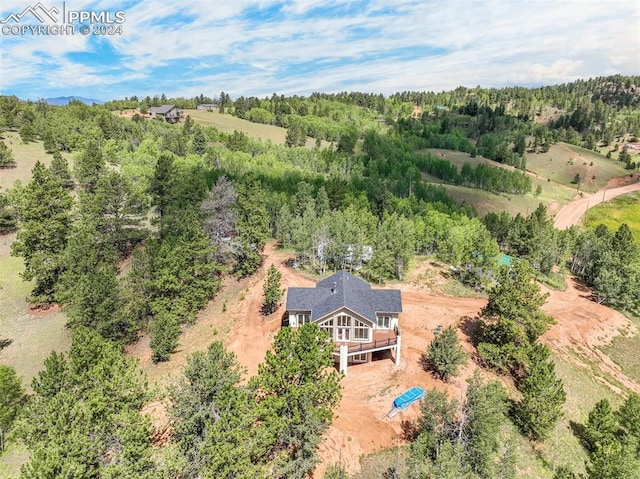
563 161
623 209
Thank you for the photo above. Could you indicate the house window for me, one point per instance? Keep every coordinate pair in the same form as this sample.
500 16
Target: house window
344 321
360 358
384 322
303 318
328 327
343 327
360 331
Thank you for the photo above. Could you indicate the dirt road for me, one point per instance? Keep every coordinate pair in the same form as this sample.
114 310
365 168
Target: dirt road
572 213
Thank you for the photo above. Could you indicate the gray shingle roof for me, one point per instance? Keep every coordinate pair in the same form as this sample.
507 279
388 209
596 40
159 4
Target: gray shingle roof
162 110
342 289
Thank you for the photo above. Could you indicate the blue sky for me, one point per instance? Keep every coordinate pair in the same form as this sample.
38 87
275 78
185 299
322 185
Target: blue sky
258 47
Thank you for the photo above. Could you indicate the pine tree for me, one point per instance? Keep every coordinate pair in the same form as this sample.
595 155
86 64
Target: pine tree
485 408
615 460
466 435
272 291
629 416
45 219
117 211
8 220
89 287
296 135
84 418
601 427
199 142
89 166
296 390
512 320
202 398
445 354
543 397
50 143
6 156
160 184
252 229
11 399
27 133
60 169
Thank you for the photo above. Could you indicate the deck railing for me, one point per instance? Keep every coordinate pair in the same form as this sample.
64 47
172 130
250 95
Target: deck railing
362 347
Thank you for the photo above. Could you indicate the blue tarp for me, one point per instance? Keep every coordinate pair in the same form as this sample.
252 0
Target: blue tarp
506 260
405 400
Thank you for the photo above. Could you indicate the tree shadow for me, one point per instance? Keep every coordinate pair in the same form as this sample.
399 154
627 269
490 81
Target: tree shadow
471 328
390 473
580 286
425 364
410 430
4 343
580 432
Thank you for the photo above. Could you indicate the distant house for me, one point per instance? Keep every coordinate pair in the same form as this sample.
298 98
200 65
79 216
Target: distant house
352 257
207 106
359 319
170 113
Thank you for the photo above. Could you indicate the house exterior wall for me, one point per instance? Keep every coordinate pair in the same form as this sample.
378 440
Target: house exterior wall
296 318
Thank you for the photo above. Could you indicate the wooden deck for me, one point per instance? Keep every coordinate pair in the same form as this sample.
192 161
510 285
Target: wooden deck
382 339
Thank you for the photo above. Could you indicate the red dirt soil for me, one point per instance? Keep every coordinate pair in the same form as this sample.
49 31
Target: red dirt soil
360 425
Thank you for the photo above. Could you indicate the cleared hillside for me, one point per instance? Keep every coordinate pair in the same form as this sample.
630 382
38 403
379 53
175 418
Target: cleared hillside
229 124
564 161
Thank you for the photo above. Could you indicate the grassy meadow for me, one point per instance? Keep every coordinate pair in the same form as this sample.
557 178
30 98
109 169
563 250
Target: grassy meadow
623 209
34 333
485 201
229 124
563 161
26 156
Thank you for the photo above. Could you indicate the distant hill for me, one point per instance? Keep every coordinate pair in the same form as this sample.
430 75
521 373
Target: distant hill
64 100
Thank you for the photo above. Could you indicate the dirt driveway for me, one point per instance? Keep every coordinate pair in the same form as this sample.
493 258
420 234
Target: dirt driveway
572 213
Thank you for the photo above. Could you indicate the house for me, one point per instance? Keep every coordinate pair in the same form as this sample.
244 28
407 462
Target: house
359 319
352 256
170 113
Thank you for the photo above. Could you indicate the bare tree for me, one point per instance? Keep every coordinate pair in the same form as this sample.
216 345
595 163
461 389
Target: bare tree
220 214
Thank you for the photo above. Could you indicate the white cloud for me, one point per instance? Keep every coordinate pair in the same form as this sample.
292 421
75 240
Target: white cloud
305 46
